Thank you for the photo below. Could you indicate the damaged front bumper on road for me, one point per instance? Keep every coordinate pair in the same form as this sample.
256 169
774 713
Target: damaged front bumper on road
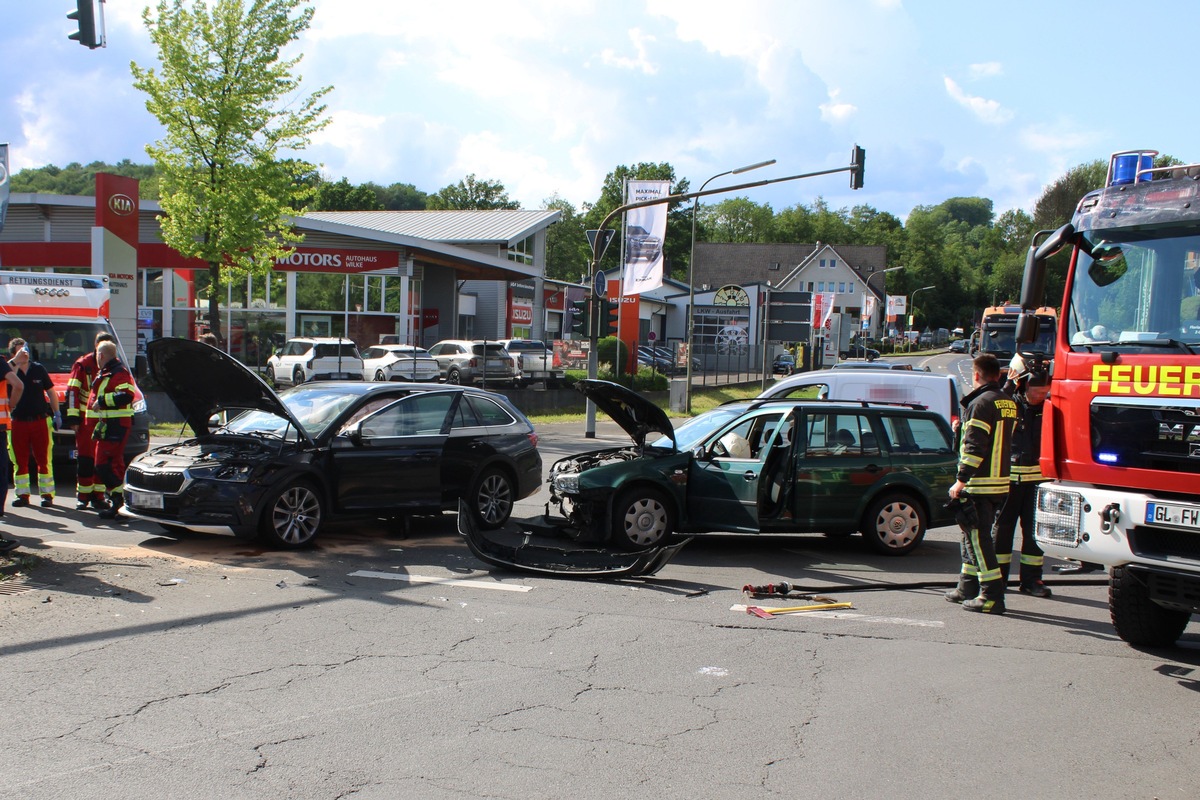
545 547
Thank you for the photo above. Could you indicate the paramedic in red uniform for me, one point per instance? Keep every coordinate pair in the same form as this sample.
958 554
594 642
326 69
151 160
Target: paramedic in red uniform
111 405
88 490
33 419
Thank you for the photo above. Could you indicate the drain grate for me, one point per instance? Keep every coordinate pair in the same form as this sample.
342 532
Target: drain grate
20 586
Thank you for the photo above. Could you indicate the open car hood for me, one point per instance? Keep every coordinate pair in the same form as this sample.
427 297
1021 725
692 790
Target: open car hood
202 380
634 413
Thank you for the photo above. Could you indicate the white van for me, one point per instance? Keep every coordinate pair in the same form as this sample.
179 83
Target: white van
925 389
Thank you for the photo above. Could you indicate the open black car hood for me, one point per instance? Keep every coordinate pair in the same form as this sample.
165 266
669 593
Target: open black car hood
634 413
202 380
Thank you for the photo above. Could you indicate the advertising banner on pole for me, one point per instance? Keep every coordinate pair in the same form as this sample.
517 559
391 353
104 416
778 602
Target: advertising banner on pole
897 305
868 305
823 308
645 232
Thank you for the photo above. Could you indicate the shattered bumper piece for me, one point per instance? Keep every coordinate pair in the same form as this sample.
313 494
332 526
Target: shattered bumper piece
544 548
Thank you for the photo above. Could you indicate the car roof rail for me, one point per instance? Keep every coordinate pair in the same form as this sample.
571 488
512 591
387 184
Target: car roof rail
758 402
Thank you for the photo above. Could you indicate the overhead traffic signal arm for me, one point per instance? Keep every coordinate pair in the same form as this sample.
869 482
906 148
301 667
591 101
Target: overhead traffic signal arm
87 33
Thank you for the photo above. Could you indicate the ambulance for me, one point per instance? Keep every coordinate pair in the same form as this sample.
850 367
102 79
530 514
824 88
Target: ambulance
59 315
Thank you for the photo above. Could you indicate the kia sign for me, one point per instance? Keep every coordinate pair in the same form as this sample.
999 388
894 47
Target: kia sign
121 204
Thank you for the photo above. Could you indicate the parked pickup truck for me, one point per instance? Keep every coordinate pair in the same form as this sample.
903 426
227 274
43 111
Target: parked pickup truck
535 359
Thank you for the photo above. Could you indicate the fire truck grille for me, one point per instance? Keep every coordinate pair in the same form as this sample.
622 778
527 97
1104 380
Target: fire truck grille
169 482
1165 543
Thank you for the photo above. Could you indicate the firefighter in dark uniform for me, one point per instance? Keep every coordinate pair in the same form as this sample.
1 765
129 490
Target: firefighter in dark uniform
981 486
1029 388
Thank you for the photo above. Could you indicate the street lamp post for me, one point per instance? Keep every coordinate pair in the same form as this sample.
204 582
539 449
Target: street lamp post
913 303
883 288
691 326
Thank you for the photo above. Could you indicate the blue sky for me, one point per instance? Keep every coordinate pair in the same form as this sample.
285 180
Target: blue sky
948 98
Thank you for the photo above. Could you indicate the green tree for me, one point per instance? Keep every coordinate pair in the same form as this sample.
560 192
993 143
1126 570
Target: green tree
567 250
228 102
737 219
399 196
472 193
76 179
343 196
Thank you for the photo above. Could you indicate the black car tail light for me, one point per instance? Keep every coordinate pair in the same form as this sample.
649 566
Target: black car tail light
533 438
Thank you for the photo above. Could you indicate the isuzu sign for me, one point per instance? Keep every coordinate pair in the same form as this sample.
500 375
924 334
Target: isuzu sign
121 204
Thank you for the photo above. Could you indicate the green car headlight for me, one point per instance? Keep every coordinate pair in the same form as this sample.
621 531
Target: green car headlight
567 482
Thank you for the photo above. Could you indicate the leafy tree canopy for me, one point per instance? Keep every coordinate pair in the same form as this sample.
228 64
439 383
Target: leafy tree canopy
228 102
472 193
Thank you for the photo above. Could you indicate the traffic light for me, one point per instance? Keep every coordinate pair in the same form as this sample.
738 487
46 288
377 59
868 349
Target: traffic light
581 317
858 157
84 16
608 318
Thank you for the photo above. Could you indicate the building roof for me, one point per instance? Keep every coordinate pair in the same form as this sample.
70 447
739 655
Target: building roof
503 227
719 263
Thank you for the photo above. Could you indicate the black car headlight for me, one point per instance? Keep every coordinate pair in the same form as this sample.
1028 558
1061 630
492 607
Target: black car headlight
238 473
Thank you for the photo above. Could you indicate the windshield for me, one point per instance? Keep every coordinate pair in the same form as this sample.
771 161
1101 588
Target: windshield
55 344
1000 333
314 406
526 345
1139 289
699 428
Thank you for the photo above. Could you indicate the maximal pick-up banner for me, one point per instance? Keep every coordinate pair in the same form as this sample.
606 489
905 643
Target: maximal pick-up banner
645 232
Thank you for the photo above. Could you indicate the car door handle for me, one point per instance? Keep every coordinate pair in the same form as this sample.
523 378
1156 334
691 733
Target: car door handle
750 475
874 468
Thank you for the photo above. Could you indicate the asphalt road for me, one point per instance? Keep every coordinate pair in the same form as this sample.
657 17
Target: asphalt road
376 666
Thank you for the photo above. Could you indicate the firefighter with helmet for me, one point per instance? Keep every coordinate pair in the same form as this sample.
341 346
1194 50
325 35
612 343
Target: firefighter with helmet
1029 387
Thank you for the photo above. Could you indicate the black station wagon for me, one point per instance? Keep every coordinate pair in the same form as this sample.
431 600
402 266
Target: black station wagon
781 465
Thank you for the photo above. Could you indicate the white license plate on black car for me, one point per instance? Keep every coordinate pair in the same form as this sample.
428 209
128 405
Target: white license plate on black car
1175 515
137 499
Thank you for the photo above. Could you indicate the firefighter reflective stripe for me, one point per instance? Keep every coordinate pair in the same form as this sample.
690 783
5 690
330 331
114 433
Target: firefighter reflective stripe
1027 474
969 571
983 484
112 402
1004 558
5 419
1032 561
985 574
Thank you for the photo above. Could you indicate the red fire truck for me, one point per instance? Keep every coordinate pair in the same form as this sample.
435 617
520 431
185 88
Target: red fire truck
1121 433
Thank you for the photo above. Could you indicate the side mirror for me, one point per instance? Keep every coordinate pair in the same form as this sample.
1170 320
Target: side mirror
1033 285
699 454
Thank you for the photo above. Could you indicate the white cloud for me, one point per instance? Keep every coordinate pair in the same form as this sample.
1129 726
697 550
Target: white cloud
989 111
834 111
640 62
990 69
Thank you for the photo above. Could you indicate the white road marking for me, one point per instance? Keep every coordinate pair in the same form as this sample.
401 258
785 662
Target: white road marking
81 545
917 623
394 576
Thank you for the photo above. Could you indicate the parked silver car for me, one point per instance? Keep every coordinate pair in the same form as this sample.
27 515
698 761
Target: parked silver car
467 362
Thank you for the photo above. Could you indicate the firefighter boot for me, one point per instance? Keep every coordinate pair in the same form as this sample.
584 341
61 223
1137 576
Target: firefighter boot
113 512
1031 582
968 587
990 600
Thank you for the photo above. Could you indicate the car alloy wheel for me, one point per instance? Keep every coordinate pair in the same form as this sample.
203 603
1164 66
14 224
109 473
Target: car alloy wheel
454 377
292 518
642 518
297 376
493 494
270 374
894 524
379 376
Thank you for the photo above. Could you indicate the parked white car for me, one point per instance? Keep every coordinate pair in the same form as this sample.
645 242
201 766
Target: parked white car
315 359
399 362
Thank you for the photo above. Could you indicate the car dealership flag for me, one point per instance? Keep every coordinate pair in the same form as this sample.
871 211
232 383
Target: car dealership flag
645 231
868 305
897 304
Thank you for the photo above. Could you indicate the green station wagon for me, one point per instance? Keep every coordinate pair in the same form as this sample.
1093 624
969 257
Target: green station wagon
774 465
